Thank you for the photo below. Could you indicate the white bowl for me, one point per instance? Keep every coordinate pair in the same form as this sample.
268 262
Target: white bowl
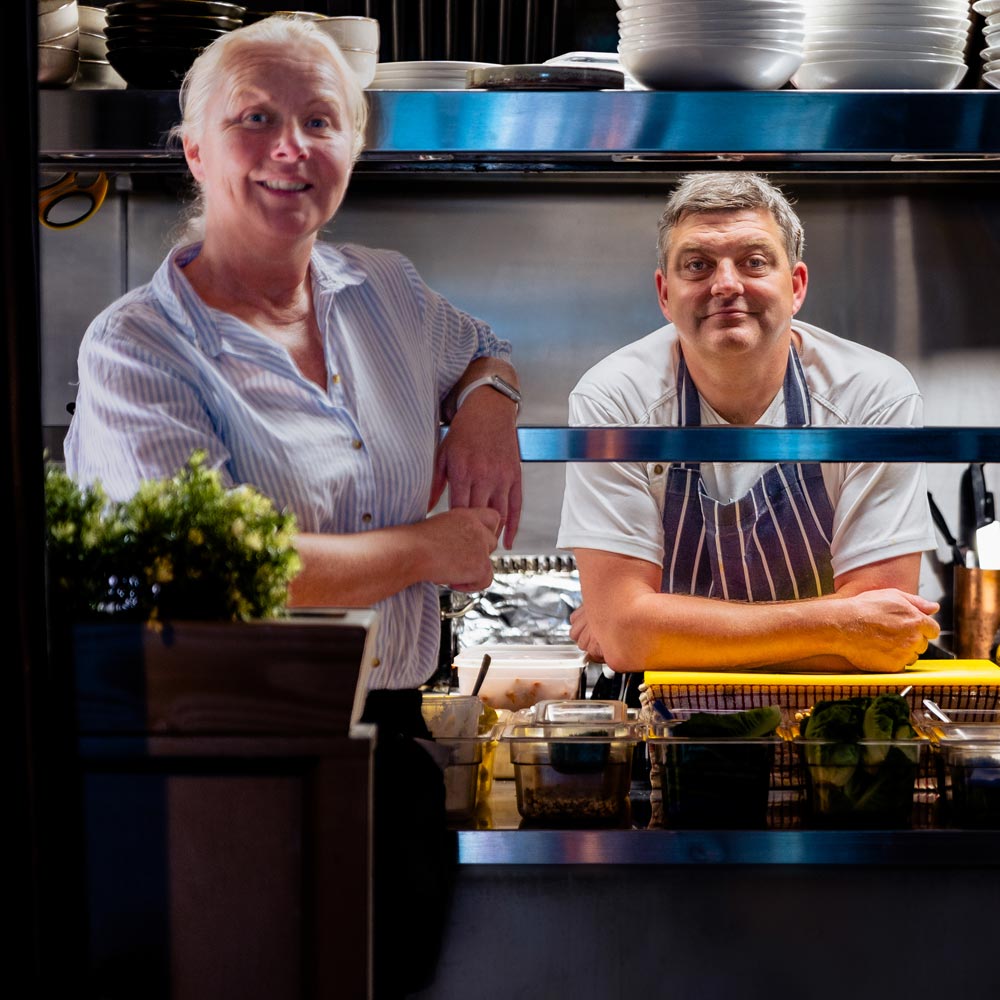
364 65
879 74
701 21
713 6
850 44
92 19
92 46
55 20
992 78
888 36
949 22
95 74
986 7
352 32
693 67
721 36
893 7
57 65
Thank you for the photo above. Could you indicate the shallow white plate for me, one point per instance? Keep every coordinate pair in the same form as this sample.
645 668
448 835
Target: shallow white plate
879 74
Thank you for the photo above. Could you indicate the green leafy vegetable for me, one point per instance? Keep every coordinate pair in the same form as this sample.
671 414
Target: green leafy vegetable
753 723
857 782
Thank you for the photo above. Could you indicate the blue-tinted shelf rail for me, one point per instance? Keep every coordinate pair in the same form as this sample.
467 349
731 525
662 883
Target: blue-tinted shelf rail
760 444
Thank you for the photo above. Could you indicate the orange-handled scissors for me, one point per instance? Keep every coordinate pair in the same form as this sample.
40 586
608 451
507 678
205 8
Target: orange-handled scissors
68 187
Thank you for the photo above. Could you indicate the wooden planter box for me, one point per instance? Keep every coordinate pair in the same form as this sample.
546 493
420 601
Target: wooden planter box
226 808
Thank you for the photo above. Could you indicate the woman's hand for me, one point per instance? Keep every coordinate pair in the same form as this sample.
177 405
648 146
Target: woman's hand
582 635
479 460
457 545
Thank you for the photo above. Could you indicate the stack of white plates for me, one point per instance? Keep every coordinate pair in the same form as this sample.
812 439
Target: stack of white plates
424 74
701 44
884 45
990 9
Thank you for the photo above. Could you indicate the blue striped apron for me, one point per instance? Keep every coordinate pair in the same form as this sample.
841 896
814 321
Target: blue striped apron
773 544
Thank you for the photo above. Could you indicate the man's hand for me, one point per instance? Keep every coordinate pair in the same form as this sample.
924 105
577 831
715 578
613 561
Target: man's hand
581 634
479 460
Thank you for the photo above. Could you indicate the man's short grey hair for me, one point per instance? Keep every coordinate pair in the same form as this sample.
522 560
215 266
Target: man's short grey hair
716 191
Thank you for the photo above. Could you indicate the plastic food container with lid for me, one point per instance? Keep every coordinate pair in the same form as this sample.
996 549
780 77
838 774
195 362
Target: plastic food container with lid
460 726
522 675
709 782
968 765
572 761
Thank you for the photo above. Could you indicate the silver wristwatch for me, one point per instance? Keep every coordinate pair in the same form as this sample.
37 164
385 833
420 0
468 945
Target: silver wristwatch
494 382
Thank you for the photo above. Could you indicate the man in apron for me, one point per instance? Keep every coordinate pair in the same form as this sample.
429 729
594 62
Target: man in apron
743 565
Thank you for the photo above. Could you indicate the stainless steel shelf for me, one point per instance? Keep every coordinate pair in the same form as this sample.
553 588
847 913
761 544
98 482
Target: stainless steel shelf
625 129
950 848
760 444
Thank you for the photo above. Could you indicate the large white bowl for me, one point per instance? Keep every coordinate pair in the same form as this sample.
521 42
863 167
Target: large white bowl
710 67
705 19
992 78
92 19
364 64
56 19
986 7
360 33
904 19
879 74
92 46
97 75
717 35
891 6
713 6
871 34
57 65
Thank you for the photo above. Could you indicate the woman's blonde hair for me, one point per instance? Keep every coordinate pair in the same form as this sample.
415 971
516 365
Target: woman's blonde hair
209 69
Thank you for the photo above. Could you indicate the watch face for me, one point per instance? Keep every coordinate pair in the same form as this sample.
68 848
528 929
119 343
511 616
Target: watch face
506 388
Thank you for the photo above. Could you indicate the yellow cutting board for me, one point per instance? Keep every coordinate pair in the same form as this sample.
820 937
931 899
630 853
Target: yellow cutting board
929 673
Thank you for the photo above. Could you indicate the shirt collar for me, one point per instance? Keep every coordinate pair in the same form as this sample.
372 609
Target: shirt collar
331 271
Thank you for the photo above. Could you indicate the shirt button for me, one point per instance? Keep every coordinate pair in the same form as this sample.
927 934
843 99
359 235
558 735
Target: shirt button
335 378
376 662
657 470
366 518
356 444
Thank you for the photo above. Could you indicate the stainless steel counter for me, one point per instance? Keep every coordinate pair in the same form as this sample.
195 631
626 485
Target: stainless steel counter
508 845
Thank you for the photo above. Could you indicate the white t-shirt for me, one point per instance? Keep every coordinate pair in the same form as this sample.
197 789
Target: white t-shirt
880 509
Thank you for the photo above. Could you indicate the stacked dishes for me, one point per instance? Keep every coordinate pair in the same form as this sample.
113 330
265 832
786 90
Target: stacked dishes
990 9
96 73
58 42
711 44
357 37
152 43
424 74
884 45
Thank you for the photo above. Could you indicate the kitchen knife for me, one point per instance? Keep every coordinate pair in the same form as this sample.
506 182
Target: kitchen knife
987 526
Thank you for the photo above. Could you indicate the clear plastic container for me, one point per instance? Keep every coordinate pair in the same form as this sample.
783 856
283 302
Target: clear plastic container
860 784
520 676
967 761
971 781
458 725
572 761
719 782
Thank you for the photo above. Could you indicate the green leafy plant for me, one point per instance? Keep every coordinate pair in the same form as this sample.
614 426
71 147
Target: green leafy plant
183 547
